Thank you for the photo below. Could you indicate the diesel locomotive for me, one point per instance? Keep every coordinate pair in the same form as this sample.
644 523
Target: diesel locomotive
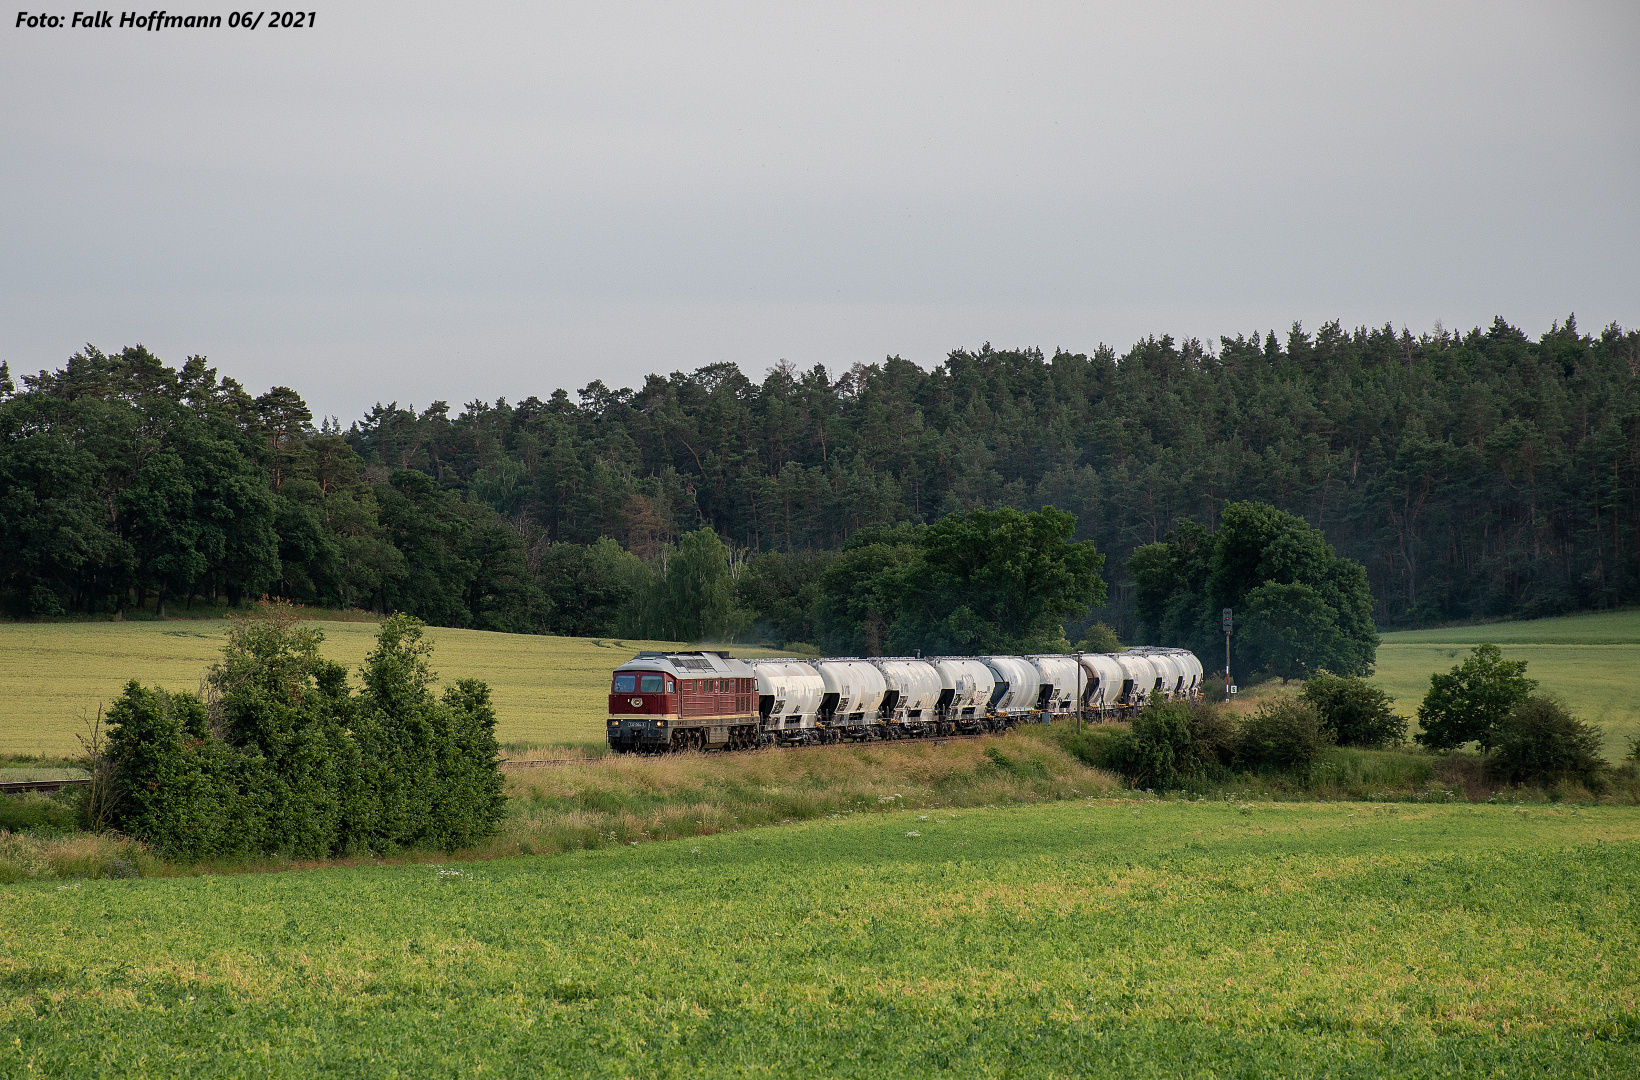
708 700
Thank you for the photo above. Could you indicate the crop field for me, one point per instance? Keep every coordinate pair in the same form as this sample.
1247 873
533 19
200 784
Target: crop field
1591 662
1091 938
550 690
53 675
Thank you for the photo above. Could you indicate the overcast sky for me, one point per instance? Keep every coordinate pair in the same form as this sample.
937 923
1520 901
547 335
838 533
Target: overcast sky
411 202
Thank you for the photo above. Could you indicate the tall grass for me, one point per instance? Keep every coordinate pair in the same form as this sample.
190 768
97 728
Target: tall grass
620 799
602 800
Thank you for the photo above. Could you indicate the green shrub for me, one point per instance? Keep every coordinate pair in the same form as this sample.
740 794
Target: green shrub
284 759
1101 639
1358 713
1172 745
1470 701
1541 743
30 811
1283 733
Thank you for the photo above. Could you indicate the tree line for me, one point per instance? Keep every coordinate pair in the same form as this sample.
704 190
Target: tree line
1481 474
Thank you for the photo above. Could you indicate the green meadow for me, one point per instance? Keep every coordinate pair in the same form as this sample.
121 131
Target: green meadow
1098 937
1591 662
54 675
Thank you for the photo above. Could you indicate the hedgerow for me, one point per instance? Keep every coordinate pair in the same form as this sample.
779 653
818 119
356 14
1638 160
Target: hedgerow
281 756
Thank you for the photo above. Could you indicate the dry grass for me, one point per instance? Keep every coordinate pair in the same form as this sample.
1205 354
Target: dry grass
72 856
622 799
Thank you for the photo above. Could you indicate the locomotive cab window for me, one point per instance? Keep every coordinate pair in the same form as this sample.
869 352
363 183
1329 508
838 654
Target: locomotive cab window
671 687
651 684
625 684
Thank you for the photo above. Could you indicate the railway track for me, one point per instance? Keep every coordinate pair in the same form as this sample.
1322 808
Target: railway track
40 787
510 764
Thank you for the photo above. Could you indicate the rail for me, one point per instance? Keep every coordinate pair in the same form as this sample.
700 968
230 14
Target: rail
40 787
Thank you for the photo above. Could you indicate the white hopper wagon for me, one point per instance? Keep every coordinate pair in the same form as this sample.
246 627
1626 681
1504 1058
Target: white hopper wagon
1102 683
853 690
789 693
1060 675
1138 677
1170 673
1192 671
913 694
1017 685
966 686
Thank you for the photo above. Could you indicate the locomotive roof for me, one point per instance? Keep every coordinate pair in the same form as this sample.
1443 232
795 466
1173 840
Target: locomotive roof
687 664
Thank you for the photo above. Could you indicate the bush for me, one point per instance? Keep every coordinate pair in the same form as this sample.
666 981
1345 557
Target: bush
1470 701
1101 639
1173 745
284 759
1358 713
1541 743
1283 733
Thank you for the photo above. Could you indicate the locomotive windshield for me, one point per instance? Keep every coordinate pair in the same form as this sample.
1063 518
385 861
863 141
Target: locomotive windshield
650 684
625 684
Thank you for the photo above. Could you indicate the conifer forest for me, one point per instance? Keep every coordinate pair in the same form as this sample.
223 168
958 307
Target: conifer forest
1472 475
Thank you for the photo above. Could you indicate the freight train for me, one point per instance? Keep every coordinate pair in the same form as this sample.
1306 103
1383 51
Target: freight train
711 701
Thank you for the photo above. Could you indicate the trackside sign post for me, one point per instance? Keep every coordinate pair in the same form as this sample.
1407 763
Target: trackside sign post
1228 690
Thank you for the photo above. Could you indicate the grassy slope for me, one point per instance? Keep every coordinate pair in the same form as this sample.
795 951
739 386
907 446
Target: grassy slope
1592 662
1092 938
52 675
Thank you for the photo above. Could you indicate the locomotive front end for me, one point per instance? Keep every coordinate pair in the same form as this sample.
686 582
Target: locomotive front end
643 707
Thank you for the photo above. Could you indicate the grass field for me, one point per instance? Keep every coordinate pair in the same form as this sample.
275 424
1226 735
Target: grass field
53 675
551 690
1592 662
1091 938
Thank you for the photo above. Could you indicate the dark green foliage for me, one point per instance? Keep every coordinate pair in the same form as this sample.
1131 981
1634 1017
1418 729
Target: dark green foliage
1539 742
428 769
783 592
1299 607
862 589
699 593
1172 745
997 582
1283 734
1100 638
1358 713
1470 701
1473 475
585 588
177 786
981 582
286 759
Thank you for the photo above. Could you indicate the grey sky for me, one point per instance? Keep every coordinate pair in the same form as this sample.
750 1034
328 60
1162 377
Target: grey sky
419 201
